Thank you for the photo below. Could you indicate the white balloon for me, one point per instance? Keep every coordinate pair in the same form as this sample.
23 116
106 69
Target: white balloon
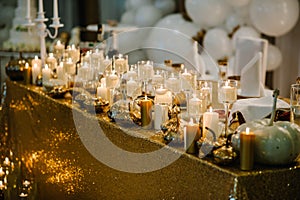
208 13
135 4
177 22
242 11
233 21
238 3
171 21
245 31
128 17
147 16
274 17
166 6
163 44
274 57
217 43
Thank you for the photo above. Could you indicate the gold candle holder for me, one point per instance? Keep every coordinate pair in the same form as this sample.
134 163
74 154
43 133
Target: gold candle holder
146 111
247 140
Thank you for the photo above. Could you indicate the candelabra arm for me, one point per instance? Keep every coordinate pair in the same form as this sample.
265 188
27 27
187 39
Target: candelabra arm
50 34
56 25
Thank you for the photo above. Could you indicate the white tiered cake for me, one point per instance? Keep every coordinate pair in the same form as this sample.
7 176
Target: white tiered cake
19 38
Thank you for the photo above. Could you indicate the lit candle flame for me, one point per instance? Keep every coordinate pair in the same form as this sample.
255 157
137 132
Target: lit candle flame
247 130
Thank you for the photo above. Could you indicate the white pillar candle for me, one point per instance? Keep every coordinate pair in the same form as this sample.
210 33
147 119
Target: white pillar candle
59 49
163 96
51 61
41 6
55 9
28 16
160 115
36 71
46 73
60 71
37 61
211 121
102 92
70 67
190 134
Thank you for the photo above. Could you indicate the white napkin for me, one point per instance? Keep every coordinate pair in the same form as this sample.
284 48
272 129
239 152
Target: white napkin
251 85
256 108
250 64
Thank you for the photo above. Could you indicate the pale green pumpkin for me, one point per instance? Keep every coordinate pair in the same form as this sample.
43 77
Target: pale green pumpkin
276 143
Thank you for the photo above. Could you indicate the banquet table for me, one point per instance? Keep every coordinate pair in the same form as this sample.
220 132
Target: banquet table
51 153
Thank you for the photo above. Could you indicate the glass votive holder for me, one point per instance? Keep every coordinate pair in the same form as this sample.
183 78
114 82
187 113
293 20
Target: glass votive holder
295 103
157 80
163 96
145 70
173 83
120 63
186 80
58 50
73 52
196 106
112 80
132 72
206 88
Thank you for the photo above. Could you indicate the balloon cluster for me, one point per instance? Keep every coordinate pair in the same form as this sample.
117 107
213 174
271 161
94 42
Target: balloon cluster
250 18
221 22
145 13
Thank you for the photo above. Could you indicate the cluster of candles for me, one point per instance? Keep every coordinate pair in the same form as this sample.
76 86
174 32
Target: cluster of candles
60 63
112 75
109 75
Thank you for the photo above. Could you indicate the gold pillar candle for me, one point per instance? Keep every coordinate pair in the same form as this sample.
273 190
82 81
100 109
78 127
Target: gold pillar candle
27 74
146 111
247 140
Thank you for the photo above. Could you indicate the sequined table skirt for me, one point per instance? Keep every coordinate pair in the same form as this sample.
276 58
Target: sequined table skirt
56 146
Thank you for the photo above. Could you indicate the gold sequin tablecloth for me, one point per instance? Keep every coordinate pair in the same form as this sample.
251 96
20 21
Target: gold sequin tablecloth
45 137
